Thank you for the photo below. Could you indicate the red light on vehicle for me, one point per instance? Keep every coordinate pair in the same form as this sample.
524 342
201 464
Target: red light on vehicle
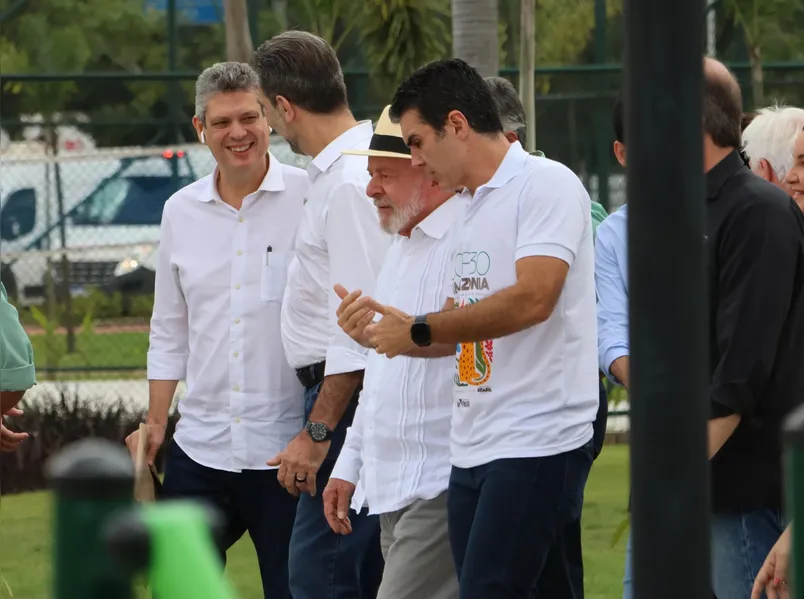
167 154
180 153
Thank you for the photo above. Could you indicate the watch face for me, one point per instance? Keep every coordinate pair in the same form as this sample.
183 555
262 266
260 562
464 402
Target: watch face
318 432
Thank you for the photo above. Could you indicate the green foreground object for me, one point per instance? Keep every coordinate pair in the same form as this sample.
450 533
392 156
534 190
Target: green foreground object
171 540
794 487
92 479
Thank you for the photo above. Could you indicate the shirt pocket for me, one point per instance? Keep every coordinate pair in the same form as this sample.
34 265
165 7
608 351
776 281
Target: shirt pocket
274 277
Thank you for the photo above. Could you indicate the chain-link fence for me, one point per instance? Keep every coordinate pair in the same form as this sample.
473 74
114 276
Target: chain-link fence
81 201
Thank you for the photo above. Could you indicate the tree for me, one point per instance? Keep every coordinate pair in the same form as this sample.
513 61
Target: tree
475 34
527 63
763 22
401 35
239 46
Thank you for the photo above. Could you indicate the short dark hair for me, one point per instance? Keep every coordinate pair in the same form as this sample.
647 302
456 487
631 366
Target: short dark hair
303 68
748 117
722 109
509 107
438 88
618 119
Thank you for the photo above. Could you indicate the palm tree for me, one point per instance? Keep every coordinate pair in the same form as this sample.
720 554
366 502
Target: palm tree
475 34
238 36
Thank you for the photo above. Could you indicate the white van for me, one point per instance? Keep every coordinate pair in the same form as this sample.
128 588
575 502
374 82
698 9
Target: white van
105 220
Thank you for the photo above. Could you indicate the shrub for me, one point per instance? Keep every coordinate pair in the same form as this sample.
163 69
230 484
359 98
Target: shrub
55 422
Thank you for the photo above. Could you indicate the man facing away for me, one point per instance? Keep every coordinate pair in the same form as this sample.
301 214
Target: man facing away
397 449
755 257
339 241
768 143
216 321
525 384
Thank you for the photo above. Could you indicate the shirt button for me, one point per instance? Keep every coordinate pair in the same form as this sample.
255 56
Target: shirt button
239 252
237 286
242 219
237 321
236 354
236 388
237 420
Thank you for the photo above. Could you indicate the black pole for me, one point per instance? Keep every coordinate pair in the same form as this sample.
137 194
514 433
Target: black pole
667 292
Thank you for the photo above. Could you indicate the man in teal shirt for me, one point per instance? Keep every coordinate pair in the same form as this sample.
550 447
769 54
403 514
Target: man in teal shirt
566 556
17 373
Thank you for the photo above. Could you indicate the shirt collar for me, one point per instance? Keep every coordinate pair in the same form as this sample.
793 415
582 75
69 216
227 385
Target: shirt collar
716 178
511 165
438 222
357 137
273 181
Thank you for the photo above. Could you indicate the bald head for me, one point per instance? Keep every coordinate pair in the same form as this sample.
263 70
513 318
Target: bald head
723 105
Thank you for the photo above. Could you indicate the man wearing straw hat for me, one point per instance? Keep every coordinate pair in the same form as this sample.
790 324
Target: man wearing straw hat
396 454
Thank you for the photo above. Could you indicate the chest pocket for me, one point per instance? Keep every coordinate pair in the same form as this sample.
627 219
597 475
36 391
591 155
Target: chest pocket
274 276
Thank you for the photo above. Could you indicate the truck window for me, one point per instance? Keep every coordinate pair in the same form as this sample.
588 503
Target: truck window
128 201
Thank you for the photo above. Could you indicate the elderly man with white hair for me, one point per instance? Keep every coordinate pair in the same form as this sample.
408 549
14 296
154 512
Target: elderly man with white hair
768 143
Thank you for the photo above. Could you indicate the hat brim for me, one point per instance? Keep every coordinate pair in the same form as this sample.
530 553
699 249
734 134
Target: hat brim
375 153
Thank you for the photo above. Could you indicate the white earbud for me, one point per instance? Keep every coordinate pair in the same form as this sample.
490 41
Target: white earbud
203 138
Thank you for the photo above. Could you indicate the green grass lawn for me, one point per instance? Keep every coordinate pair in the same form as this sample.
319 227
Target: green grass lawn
25 539
107 350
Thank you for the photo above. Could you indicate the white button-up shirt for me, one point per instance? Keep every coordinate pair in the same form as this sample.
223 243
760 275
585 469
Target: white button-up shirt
397 449
339 241
220 280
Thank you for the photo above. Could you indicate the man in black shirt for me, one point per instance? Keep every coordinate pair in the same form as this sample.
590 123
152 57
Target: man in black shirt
755 247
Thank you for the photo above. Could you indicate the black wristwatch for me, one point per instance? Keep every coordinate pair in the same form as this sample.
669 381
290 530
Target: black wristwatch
318 431
420 331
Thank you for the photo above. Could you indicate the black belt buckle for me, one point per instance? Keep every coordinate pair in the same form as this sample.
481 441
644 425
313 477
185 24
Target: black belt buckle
311 375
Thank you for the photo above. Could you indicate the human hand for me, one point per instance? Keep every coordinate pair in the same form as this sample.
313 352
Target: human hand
299 464
9 440
337 496
772 576
156 437
391 335
354 314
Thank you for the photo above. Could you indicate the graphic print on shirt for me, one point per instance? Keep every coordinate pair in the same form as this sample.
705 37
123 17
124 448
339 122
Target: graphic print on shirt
473 360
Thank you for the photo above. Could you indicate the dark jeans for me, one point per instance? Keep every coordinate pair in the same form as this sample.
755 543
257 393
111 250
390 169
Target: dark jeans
251 500
325 565
506 516
564 564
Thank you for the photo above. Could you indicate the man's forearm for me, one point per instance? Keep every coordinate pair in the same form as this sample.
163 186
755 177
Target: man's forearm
335 394
436 350
720 430
506 312
620 370
160 397
9 399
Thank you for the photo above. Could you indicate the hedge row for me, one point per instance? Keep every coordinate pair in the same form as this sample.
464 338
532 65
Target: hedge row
57 422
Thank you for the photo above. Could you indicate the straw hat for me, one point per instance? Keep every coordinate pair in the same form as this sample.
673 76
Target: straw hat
387 141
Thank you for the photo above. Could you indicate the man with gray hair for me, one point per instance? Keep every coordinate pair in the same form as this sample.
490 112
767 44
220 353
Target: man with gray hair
225 245
768 143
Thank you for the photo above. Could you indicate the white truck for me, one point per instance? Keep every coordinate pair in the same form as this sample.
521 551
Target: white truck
101 209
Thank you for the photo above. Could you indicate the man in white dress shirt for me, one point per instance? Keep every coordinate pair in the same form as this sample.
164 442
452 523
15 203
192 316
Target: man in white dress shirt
397 449
339 241
526 382
216 320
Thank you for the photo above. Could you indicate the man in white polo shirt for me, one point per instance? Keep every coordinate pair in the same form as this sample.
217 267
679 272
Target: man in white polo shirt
526 382
397 449
215 324
339 241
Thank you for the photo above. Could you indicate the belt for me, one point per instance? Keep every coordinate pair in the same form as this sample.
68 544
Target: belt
311 375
